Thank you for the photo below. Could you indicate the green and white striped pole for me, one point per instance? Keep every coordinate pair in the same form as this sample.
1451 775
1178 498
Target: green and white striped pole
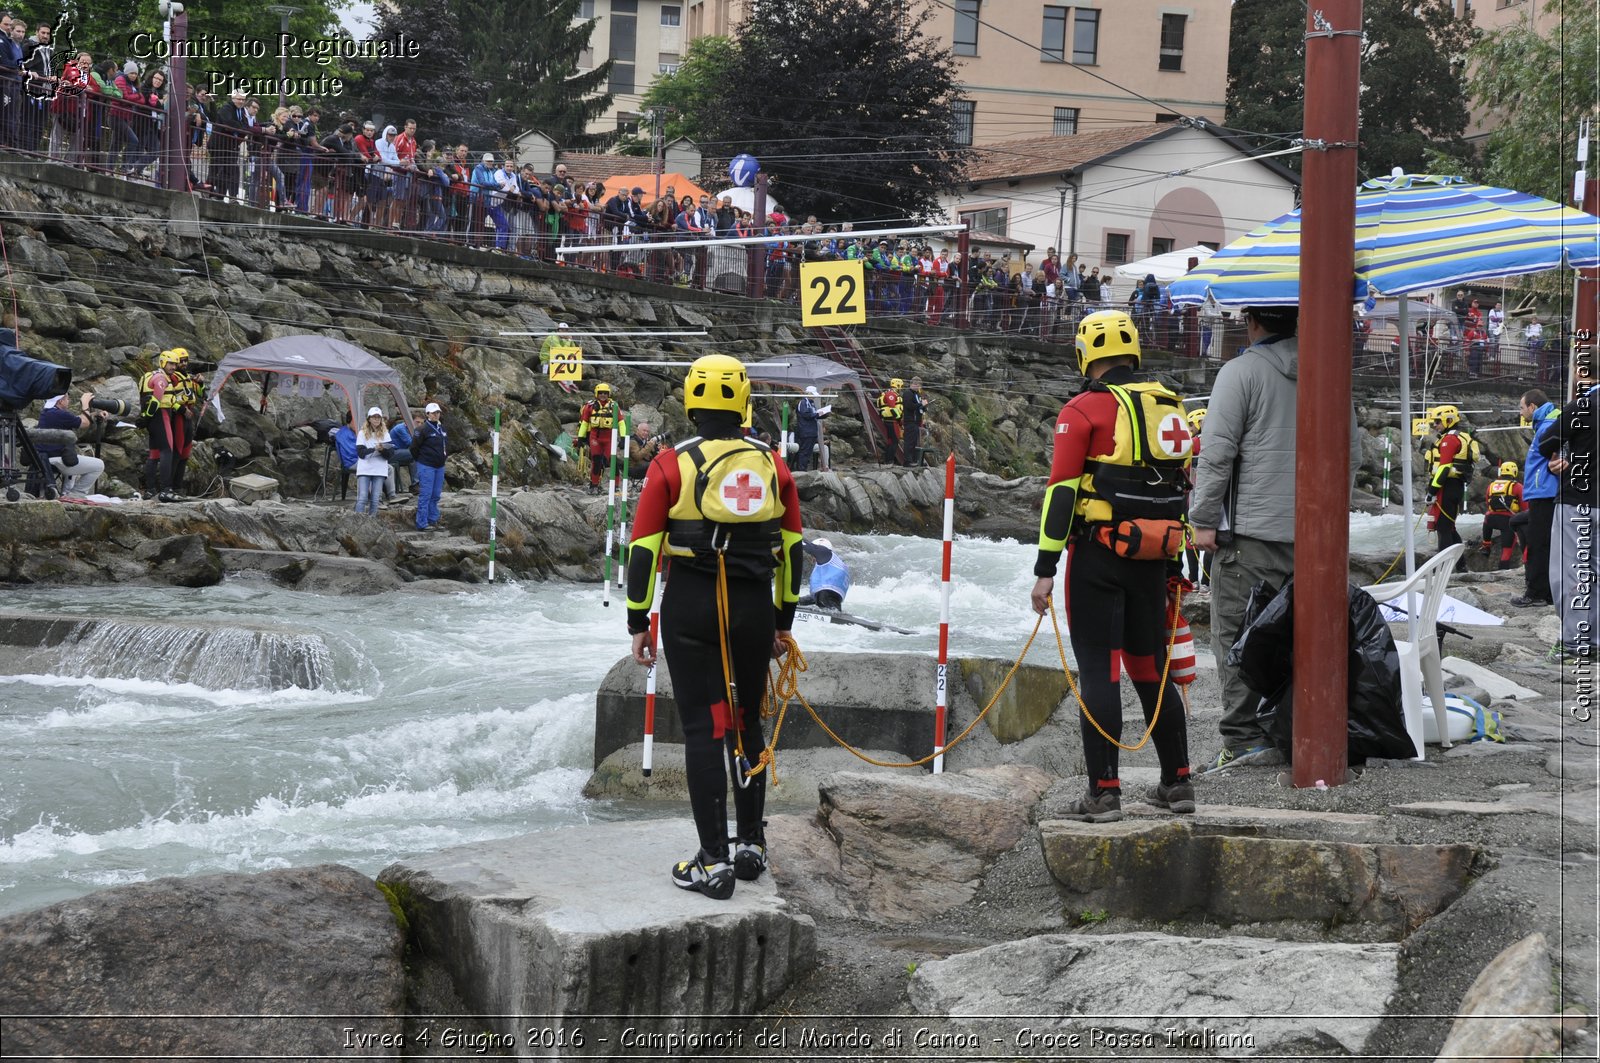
611 515
622 524
494 490
783 434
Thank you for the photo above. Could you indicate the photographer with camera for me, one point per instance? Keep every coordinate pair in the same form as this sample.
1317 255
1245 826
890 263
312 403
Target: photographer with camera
80 471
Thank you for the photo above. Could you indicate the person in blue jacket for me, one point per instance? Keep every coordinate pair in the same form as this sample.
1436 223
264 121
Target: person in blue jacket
428 448
400 460
809 429
830 576
1539 490
344 441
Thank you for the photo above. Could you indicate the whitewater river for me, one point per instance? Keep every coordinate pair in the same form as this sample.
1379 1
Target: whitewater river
446 718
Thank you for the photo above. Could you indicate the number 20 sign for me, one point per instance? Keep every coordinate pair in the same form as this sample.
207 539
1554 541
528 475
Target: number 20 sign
833 293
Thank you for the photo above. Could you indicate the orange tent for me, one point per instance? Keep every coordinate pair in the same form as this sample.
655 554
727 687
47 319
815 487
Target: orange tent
681 186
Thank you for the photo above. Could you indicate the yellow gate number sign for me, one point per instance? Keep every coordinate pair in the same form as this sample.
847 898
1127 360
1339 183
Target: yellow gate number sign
833 293
1421 426
566 363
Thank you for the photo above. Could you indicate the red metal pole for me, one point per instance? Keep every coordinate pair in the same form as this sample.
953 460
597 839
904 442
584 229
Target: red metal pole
1322 471
756 254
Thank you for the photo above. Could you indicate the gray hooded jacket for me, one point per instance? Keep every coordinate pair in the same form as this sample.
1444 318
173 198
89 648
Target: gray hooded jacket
1251 417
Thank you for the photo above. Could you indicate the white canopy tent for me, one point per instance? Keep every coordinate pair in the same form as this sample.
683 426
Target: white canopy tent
1167 267
745 199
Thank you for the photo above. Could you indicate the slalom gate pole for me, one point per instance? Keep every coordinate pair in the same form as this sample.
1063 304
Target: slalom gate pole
650 691
783 434
1388 446
494 490
941 683
622 524
611 516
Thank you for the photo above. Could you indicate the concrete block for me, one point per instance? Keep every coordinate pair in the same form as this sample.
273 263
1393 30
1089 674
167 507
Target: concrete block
561 926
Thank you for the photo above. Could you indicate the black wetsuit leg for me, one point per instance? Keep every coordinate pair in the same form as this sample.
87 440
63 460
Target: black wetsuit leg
690 643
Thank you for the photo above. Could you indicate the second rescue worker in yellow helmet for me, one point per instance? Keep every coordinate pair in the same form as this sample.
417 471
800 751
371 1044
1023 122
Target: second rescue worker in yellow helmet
598 416
168 395
1115 503
891 408
1502 502
723 508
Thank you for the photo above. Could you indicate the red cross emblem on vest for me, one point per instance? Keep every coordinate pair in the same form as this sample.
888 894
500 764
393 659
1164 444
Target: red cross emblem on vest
740 491
1175 435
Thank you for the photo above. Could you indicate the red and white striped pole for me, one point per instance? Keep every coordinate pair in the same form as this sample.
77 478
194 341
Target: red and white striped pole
941 684
650 693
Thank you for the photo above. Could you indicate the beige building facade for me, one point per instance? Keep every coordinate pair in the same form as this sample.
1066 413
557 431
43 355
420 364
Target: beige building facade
644 39
1035 69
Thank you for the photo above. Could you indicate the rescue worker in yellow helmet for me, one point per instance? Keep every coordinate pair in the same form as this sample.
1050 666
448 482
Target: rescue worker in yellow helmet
168 395
1116 503
1458 456
890 410
595 422
1502 503
723 508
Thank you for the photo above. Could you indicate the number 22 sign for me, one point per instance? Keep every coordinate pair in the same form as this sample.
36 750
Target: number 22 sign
833 293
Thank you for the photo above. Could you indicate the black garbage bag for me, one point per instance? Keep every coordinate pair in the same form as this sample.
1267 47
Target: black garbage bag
1263 655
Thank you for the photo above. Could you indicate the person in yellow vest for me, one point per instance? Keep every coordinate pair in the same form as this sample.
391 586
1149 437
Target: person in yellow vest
724 509
1116 504
595 421
891 409
168 395
1502 502
1452 470
562 337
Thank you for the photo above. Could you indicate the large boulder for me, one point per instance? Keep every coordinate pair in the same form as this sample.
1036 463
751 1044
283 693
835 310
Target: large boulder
902 848
1506 1013
215 966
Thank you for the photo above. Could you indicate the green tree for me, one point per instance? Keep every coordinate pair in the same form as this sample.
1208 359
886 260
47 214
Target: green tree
1413 61
1538 88
528 51
449 109
848 104
131 29
687 96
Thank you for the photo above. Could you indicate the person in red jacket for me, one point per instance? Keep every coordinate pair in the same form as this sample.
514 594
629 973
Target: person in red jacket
725 510
1502 502
1115 504
595 422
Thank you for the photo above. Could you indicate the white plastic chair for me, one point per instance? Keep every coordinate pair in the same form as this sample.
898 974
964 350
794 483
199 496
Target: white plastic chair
1419 659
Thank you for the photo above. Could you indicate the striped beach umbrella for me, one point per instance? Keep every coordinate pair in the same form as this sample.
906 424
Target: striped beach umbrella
1414 232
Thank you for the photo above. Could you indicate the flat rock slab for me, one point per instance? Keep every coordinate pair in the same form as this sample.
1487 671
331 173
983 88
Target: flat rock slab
1148 995
210 967
1494 684
1575 806
1164 870
1273 822
552 929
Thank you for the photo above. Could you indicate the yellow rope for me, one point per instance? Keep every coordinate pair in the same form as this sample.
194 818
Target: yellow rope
784 688
1402 552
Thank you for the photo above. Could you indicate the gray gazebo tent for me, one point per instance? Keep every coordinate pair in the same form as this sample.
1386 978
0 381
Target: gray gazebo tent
318 358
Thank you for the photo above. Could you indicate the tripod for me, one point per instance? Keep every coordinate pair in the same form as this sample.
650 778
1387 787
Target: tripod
20 461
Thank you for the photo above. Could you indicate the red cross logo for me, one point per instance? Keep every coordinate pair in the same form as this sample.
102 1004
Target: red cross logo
1175 435
741 491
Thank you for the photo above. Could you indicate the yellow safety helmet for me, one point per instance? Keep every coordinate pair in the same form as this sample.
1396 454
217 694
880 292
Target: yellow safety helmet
1106 334
1508 468
175 357
1196 418
897 383
602 388
716 382
1448 416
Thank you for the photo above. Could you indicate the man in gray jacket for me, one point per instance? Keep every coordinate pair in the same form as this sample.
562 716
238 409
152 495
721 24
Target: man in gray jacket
1243 502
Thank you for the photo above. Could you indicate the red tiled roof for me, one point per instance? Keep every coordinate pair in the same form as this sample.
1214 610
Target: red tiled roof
587 166
1010 160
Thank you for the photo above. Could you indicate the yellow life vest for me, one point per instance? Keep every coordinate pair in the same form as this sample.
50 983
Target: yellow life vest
174 391
727 500
1146 475
1468 456
889 405
603 415
1500 498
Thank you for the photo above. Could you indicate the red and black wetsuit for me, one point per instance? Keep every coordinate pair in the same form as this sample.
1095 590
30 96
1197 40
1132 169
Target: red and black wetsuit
763 588
1116 607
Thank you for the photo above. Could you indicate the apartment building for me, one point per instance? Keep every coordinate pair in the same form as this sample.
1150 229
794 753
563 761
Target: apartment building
1492 16
643 39
1032 69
